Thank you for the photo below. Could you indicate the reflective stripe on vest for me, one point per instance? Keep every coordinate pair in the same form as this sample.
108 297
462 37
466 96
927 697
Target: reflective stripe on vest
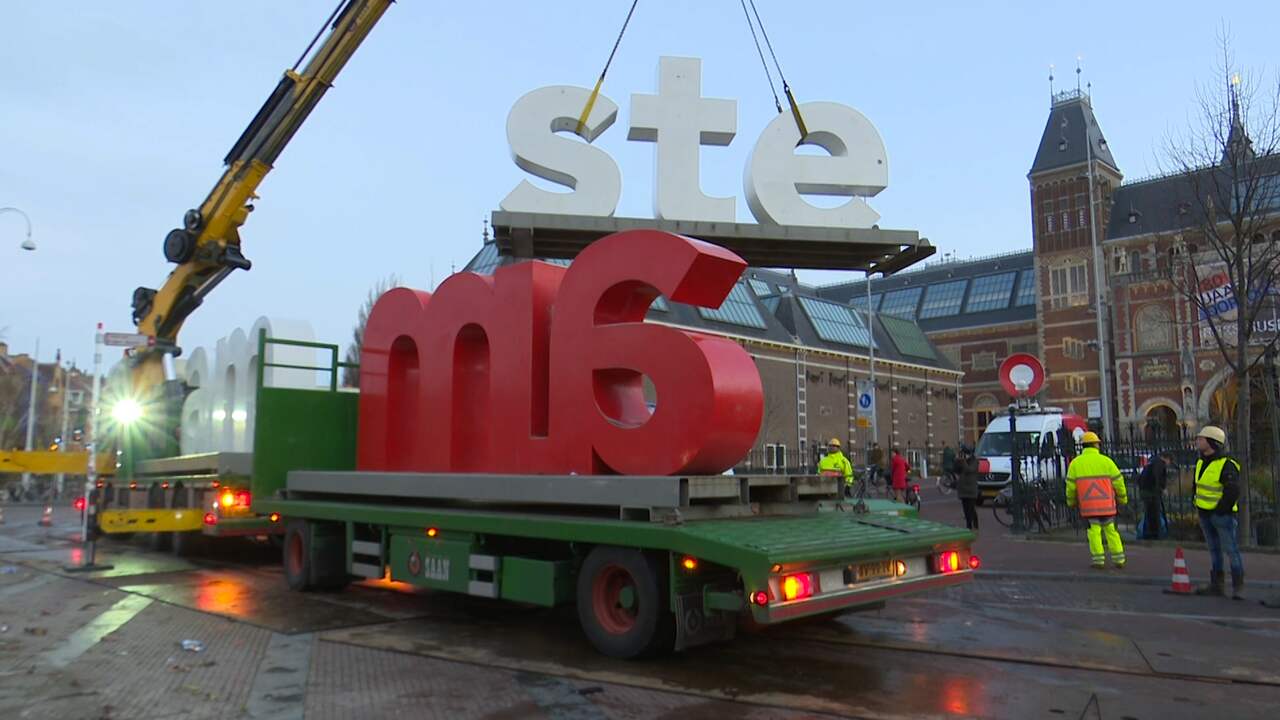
1096 496
1209 484
835 465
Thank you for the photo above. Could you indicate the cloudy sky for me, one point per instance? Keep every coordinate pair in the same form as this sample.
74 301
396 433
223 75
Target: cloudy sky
114 118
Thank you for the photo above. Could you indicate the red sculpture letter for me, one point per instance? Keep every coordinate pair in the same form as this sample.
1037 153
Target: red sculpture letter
709 396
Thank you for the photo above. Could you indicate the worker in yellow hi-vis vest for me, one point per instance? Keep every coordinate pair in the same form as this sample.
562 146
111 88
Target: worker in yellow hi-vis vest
835 465
1095 485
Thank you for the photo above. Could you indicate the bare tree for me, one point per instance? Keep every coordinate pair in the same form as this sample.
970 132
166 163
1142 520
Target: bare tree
1228 199
351 374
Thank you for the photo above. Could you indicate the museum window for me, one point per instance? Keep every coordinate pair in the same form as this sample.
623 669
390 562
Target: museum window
1068 286
1073 348
983 361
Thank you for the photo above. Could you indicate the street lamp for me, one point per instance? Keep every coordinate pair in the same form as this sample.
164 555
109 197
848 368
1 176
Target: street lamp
28 243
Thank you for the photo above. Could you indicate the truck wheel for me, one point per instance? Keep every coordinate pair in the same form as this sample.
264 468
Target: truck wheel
190 542
307 566
622 603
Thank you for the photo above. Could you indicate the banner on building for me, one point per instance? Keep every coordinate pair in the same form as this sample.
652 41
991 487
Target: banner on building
1218 308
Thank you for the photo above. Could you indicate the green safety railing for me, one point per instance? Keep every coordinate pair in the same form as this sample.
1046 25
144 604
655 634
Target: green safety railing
333 368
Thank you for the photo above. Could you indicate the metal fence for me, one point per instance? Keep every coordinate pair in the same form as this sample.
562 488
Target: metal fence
1043 491
926 462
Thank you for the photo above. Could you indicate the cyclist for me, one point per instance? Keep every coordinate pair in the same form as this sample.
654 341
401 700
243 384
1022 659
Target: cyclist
947 478
875 463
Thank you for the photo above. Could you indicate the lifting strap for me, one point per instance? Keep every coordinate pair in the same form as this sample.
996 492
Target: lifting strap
786 89
595 92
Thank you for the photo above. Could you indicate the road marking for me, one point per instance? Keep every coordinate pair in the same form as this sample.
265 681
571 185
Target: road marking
558 698
279 687
18 588
86 637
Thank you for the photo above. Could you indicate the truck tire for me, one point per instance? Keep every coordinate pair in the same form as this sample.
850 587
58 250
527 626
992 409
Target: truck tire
309 565
622 603
190 542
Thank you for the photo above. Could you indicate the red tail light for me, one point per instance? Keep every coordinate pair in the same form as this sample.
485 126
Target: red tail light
242 499
797 587
948 562
975 562
79 503
984 465
915 489
210 519
760 598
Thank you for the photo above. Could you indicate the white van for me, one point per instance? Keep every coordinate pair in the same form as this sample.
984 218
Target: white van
1039 438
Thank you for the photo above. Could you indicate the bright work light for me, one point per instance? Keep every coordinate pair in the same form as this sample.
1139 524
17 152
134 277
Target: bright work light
126 411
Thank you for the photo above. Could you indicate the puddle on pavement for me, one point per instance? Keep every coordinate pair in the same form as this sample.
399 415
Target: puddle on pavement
246 597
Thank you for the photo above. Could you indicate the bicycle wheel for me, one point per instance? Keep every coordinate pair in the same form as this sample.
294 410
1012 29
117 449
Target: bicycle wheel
1003 511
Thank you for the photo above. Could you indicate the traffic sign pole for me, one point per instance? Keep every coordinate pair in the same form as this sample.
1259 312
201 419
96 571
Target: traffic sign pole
91 499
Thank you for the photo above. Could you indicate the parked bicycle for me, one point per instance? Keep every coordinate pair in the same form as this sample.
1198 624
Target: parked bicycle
1040 507
912 496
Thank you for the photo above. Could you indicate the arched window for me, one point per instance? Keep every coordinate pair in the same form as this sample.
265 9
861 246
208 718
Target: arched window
1153 328
985 407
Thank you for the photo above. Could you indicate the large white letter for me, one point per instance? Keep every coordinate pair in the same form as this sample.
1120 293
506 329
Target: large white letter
858 167
679 120
589 171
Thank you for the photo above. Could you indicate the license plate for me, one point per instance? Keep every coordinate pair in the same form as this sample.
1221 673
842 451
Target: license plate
872 570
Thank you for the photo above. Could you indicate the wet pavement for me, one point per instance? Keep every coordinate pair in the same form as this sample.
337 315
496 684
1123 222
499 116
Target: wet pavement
108 645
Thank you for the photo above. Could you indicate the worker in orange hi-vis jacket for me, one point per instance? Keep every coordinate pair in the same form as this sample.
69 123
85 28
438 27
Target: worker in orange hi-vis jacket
1095 485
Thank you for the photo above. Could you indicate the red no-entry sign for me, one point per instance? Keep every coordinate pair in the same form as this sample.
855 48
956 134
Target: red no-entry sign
1022 375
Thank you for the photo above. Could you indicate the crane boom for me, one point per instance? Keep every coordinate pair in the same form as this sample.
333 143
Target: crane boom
206 249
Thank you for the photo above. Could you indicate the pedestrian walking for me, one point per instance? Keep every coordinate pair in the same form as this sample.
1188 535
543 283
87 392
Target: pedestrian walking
965 469
898 468
1217 489
1151 484
1095 484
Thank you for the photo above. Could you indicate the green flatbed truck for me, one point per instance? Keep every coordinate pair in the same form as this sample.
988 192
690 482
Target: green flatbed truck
653 564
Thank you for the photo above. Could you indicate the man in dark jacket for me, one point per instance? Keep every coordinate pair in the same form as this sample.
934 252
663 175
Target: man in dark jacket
1151 483
1217 489
966 472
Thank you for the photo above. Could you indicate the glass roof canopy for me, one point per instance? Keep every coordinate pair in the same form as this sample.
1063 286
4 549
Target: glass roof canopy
836 323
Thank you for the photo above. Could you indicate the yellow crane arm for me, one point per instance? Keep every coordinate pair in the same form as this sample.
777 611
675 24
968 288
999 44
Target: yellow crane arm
48 462
206 249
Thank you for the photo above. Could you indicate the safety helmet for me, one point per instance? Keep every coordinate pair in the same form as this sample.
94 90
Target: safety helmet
835 442
1212 432
1090 438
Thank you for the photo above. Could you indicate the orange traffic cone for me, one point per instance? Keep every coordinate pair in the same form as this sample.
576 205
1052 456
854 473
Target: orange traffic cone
1181 578
46 520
